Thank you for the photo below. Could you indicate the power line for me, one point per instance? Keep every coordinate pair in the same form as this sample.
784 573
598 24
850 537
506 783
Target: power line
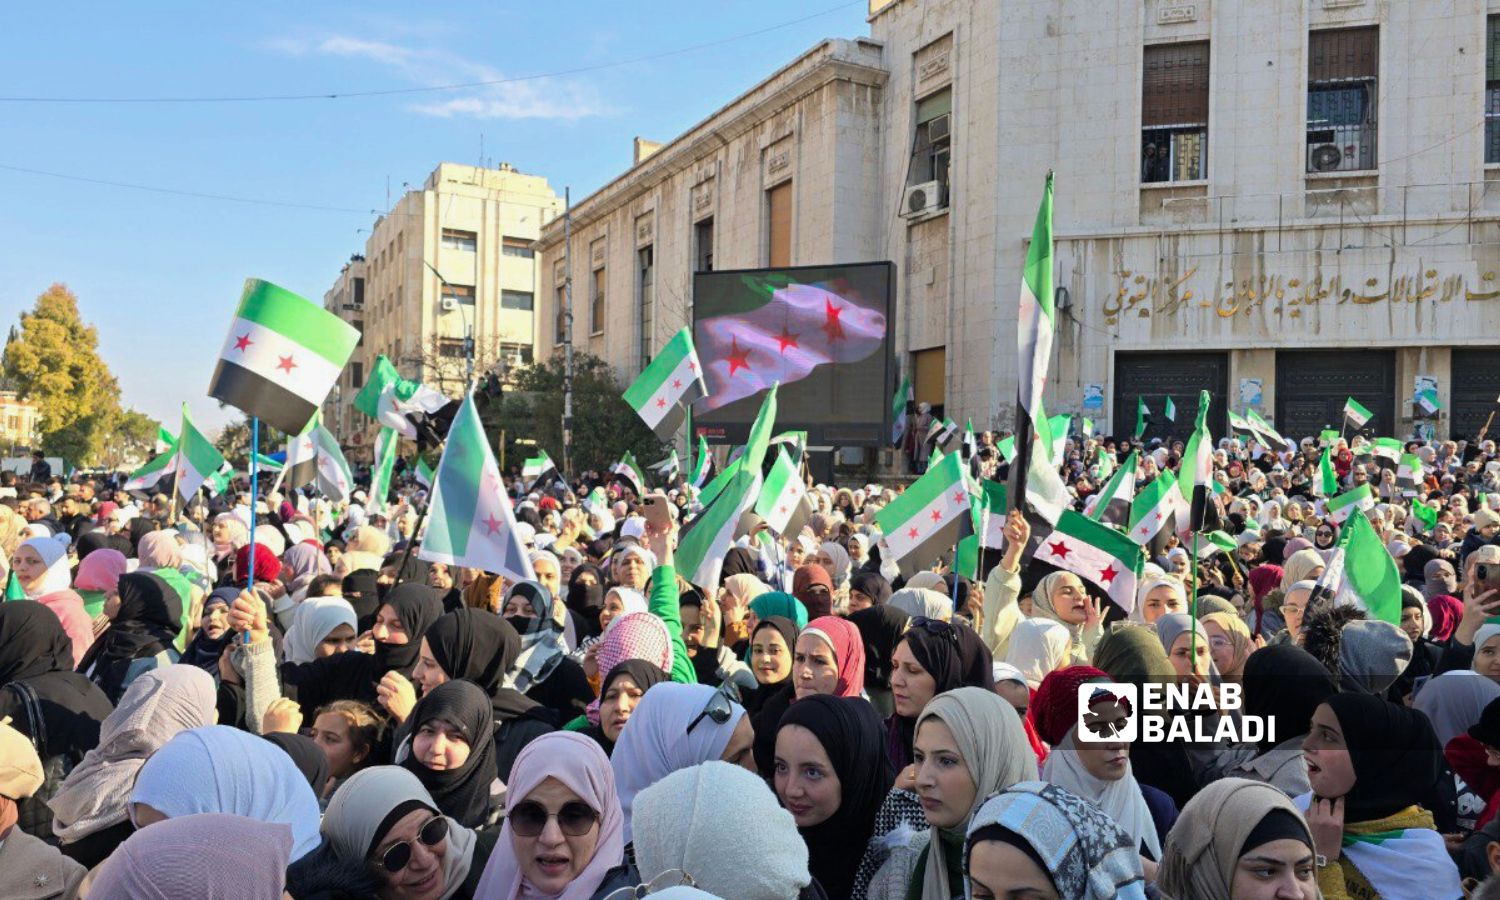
387 92
257 201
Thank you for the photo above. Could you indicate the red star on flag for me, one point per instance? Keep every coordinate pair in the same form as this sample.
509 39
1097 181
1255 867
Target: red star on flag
492 524
937 515
287 364
692 365
738 358
242 342
1158 517
661 403
912 532
1109 573
782 509
787 338
676 383
1060 549
1145 530
958 496
832 326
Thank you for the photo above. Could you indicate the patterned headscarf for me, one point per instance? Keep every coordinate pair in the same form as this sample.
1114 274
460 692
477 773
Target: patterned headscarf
637 635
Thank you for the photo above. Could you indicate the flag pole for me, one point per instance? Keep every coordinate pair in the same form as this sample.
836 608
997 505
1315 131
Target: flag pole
416 529
176 480
254 489
1193 608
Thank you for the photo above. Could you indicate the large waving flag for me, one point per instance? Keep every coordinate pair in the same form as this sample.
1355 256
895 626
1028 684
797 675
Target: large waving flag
797 328
313 456
470 521
1197 473
666 387
1356 413
1153 508
924 520
1096 553
783 499
1327 482
197 457
395 402
1112 505
1263 430
1369 577
158 467
282 356
1345 504
700 552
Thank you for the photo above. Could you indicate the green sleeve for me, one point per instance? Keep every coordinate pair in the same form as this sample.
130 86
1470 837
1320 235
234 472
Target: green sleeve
577 724
663 604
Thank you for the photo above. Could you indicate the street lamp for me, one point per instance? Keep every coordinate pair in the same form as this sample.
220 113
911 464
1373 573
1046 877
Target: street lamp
468 328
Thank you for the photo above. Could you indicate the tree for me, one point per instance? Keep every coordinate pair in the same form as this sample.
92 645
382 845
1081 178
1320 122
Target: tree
604 425
130 438
233 441
53 361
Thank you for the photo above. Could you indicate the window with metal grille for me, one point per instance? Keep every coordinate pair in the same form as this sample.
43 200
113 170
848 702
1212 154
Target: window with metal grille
645 261
560 325
1343 74
932 146
596 303
703 238
1174 113
1492 90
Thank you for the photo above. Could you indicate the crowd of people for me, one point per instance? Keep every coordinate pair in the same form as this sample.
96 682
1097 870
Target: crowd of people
356 722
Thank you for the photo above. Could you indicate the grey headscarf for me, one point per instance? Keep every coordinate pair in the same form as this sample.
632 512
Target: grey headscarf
1205 846
1454 700
1372 655
922 602
1438 578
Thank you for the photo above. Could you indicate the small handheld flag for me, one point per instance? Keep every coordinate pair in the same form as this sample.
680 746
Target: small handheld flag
1356 413
672 381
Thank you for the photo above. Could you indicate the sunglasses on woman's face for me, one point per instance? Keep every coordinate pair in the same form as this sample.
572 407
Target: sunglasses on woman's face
529 818
398 856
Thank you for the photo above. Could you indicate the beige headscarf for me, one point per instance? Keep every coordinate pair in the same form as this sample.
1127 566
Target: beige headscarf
995 750
1239 636
1204 846
1297 566
744 587
1042 608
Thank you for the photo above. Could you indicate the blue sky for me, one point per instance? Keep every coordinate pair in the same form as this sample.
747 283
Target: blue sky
159 274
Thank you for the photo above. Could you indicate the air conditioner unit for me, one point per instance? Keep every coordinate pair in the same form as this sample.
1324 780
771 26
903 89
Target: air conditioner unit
449 304
1334 156
939 128
922 198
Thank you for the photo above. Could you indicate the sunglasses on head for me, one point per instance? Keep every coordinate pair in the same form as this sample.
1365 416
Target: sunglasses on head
935 627
718 709
529 817
398 856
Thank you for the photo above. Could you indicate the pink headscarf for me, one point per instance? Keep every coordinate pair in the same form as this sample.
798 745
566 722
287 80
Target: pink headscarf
1446 610
101 570
637 635
848 652
202 855
159 550
579 763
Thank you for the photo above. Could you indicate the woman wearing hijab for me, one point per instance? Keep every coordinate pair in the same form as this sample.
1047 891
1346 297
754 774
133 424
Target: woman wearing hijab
829 659
543 670
736 593
210 855
1061 597
813 587
880 628
1037 840
1439 579
639 636
1416 623
836 562
1283 684
481 648
931 659
213 635
1038 647
1183 636
98 577
773 643
832 775
160 554
1372 766
1240 839
1157 597
301 563
307 756
140 635
383 820
586 597
867 589
319 627
969 744
218 769
777 603
622 691
451 752
1263 580
41 568
923 601
90 812
564 832
1229 644
1304 565
674 727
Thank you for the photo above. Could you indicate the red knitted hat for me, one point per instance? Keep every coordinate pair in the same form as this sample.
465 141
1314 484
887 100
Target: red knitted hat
1054 709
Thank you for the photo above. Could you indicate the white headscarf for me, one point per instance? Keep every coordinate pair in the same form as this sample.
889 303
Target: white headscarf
1038 646
312 621
54 553
1121 799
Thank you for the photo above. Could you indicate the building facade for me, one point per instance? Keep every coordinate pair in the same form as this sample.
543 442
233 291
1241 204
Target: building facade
346 299
1283 203
19 421
447 285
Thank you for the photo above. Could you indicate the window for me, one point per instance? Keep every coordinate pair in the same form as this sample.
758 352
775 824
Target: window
703 245
1174 113
452 348
360 327
356 374
1492 90
1343 66
359 293
932 147
779 225
522 300
596 302
459 293
515 356
453 239
560 326
645 261
517 247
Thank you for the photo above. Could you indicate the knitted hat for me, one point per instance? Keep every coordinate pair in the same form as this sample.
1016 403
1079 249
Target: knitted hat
1055 708
756 854
20 767
1485 517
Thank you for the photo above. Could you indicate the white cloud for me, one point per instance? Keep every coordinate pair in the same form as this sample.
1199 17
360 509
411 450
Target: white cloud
540 98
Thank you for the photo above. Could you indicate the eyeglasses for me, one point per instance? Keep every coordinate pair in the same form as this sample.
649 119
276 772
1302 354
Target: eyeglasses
718 709
667 879
935 627
398 856
529 817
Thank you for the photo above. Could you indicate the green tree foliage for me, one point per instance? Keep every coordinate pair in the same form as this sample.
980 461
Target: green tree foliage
131 436
53 360
233 441
604 425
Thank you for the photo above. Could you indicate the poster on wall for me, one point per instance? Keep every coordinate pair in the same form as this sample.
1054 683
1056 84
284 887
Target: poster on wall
1250 392
1424 397
1093 398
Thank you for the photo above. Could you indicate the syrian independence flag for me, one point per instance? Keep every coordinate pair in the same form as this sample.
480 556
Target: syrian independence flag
1356 413
1097 554
268 463
1340 507
1327 482
197 458
923 522
1263 430
1396 860
1045 492
970 442
703 465
385 464
630 474
1112 506
667 468
1365 572
1410 472
796 442
992 524
1169 409
1060 425
967 553
1424 514
301 458
1238 422
424 473
795 329
1387 452
1007 448
148 476
1142 415
335 481
1153 508
165 440
470 521
940 433
536 468
1086 428
783 501
1427 402
900 403
1207 545
700 552
218 482
395 402
1197 473
666 387
282 356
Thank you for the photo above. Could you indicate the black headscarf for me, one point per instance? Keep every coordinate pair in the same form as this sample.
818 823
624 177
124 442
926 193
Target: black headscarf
480 647
32 641
413 570
90 541
788 631
872 585
1395 753
203 651
738 561
880 629
463 794
645 675
955 657
586 599
308 757
360 590
1287 683
851 734
149 618
417 606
